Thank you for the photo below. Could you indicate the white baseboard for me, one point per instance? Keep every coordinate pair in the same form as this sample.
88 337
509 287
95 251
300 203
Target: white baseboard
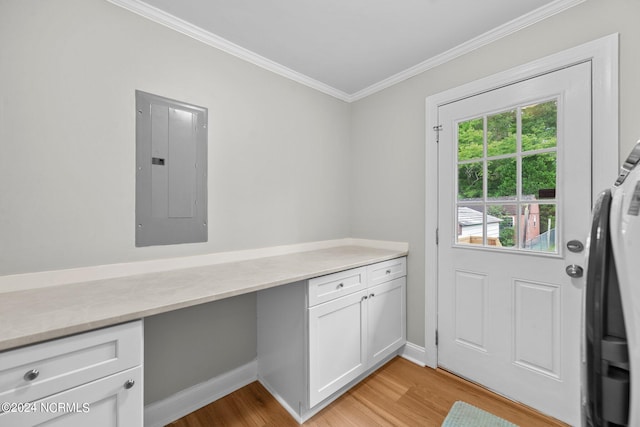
165 411
281 401
307 414
184 402
415 353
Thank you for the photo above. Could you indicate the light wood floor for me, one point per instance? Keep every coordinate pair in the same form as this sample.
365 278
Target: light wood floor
398 394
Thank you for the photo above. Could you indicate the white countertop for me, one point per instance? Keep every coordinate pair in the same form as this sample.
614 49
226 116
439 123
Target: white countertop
36 315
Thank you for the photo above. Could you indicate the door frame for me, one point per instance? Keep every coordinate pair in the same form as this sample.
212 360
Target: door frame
603 55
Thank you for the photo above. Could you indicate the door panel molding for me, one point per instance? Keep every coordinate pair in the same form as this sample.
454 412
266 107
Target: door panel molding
470 309
537 317
603 56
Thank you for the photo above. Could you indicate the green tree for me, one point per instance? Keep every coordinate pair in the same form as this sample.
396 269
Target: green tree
538 172
507 232
539 126
471 139
501 133
470 180
538 131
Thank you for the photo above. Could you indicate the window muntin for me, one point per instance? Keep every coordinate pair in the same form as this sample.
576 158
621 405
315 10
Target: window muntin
506 179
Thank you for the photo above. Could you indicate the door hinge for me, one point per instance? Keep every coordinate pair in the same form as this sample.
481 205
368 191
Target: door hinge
437 129
436 337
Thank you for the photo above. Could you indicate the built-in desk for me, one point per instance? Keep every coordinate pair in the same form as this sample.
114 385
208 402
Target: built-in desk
41 314
37 315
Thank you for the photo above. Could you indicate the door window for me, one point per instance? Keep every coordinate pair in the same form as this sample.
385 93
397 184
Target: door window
506 180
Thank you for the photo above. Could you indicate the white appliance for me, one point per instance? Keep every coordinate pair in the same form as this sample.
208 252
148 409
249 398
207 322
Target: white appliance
611 342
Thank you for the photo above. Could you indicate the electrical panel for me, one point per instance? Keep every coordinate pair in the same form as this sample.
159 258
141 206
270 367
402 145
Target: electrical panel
171 171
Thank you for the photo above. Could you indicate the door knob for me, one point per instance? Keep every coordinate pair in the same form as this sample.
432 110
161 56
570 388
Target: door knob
574 271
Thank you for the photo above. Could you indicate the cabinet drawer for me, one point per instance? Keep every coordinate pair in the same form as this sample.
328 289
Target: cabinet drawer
40 370
108 402
326 288
387 270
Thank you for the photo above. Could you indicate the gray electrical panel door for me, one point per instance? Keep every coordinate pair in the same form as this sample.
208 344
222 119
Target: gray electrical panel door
171 171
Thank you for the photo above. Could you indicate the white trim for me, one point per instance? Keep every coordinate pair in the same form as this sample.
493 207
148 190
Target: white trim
161 17
380 244
43 279
415 354
186 28
603 54
184 402
307 414
491 36
292 411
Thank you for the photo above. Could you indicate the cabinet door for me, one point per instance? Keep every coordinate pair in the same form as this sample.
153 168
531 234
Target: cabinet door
386 319
337 344
103 403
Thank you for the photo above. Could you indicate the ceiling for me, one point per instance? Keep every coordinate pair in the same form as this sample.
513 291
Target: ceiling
347 48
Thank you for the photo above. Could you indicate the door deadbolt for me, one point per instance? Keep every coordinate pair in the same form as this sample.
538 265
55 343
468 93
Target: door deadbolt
574 271
575 246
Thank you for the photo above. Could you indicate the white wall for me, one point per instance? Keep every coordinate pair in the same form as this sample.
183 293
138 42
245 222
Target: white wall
388 128
70 69
278 162
287 164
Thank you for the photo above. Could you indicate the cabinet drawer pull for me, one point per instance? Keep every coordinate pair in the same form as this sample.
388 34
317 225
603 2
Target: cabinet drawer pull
31 375
129 384
388 271
340 286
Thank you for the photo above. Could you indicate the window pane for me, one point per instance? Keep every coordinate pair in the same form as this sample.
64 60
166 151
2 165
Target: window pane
471 139
501 225
539 175
470 225
470 181
539 126
538 227
501 133
502 179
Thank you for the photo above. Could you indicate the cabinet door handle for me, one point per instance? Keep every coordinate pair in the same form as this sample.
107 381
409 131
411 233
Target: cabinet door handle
364 298
372 295
129 384
31 375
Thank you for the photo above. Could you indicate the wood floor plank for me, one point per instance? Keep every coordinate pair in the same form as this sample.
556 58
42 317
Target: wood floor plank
398 394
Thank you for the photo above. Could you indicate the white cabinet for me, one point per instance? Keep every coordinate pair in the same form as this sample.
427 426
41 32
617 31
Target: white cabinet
317 338
93 378
332 286
337 344
386 314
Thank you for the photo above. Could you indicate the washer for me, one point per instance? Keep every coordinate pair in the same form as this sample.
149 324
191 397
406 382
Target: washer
611 341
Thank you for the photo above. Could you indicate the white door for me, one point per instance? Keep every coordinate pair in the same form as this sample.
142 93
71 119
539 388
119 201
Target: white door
514 189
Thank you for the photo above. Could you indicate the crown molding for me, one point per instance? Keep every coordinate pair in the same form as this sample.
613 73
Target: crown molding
163 18
497 33
184 27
